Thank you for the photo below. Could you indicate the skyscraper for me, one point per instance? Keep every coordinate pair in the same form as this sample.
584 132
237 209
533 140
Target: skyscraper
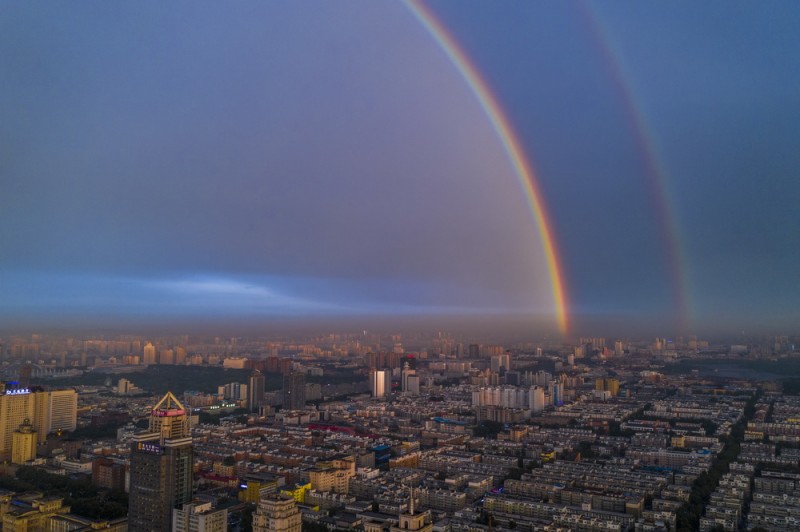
410 381
161 468
294 391
255 391
381 383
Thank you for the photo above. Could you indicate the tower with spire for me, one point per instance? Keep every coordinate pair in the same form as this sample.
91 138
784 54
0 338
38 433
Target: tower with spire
161 467
412 521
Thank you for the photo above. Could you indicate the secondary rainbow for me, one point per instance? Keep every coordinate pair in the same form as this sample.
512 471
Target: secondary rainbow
655 169
502 126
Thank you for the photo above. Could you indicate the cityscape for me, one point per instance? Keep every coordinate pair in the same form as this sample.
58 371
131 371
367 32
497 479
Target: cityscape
415 431
401 266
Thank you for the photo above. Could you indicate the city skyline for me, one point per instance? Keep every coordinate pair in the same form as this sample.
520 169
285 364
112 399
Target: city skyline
360 163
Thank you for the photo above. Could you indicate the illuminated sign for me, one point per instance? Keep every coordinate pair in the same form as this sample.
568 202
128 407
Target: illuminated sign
18 391
168 413
152 448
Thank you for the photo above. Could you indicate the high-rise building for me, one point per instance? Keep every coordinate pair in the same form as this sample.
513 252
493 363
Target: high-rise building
536 399
55 411
556 393
149 354
233 390
277 513
23 443
294 391
378 383
161 468
255 390
607 384
409 380
166 356
180 356
46 411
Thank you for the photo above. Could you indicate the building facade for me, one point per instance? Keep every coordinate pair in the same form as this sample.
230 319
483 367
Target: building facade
294 391
198 516
277 513
255 391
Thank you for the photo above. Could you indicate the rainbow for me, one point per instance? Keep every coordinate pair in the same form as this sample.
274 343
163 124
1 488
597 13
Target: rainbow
654 167
513 148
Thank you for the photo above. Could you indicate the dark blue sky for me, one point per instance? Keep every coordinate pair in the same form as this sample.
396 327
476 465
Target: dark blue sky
307 159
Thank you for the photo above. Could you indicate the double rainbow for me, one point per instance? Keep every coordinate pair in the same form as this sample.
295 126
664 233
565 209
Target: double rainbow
655 169
511 143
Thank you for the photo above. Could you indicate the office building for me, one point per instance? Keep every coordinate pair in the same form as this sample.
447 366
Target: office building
294 391
255 391
161 468
55 411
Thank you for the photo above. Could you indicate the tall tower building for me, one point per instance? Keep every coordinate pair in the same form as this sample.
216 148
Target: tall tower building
536 399
277 513
149 354
180 356
255 391
294 391
409 380
23 443
161 468
378 379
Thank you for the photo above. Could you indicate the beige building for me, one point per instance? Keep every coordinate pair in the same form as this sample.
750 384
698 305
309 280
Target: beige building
149 354
23 443
198 516
333 476
277 513
48 412
33 517
55 411
15 407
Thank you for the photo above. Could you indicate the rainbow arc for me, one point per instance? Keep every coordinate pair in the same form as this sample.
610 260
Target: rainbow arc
512 146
